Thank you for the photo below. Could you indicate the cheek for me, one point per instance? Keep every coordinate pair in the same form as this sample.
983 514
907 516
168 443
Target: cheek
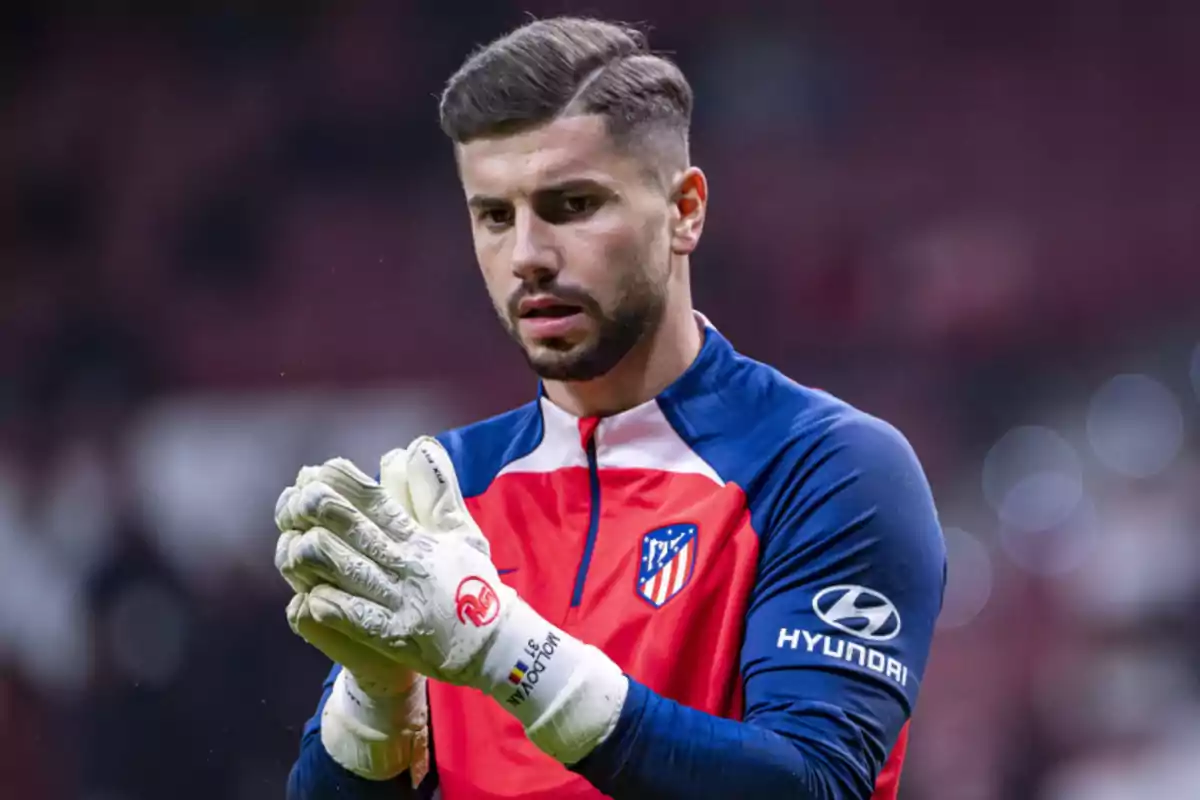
596 265
635 257
611 251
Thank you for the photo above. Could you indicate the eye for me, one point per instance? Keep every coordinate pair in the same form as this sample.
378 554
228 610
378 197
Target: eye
579 204
496 217
569 207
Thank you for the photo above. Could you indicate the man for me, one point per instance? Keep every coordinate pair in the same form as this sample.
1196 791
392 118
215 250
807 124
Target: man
676 573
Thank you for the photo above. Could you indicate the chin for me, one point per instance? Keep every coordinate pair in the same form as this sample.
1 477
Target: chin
561 363
574 365
592 356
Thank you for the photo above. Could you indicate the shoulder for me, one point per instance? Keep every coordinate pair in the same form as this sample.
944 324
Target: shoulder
480 450
748 420
782 442
835 494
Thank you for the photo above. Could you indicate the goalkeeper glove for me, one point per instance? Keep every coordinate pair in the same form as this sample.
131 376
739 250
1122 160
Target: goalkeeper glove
374 722
421 589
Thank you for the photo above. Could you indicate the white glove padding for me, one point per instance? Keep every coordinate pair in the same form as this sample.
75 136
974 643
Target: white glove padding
375 720
308 556
429 597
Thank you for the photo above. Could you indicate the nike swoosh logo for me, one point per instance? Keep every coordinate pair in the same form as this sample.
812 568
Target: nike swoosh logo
505 571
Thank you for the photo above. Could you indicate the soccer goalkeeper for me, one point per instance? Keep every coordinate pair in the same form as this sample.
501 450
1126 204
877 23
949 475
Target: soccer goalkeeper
675 573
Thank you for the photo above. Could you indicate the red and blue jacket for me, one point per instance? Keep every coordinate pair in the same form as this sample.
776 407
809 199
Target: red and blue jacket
764 562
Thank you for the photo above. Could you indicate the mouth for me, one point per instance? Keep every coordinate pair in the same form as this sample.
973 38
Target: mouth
550 318
546 308
551 312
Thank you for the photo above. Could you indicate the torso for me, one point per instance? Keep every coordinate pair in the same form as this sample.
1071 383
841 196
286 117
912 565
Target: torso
662 589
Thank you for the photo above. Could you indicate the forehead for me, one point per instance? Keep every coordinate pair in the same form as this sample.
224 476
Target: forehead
567 149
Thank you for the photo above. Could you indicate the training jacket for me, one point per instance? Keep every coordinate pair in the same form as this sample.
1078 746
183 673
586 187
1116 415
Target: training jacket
764 562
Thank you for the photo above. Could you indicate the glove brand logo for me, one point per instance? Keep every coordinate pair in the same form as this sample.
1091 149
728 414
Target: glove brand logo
859 611
476 601
437 472
528 670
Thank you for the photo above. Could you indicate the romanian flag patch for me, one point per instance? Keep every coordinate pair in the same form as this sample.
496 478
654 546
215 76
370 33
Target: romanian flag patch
518 673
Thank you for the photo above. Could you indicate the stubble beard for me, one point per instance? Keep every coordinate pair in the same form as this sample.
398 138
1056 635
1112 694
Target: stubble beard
637 315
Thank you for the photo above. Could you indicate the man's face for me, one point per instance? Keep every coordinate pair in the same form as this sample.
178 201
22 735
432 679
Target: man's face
572 236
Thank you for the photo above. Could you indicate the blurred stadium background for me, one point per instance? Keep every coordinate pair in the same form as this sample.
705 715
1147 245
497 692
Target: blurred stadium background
231 243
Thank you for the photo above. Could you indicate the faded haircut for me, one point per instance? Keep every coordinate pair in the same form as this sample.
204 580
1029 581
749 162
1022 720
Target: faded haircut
571 66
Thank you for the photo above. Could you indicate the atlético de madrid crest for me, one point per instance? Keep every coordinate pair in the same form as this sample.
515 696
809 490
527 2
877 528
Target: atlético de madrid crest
668 559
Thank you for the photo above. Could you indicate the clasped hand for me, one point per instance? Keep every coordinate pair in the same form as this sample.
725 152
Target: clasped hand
393 574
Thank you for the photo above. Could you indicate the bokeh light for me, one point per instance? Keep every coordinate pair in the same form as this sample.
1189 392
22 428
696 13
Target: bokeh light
969 579
1054 550
1033 478
1135 425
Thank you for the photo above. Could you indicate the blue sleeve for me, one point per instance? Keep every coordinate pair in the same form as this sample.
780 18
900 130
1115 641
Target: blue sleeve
316 776
838 631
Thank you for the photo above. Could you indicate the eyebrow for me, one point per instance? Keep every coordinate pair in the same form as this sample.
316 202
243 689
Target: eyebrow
479 201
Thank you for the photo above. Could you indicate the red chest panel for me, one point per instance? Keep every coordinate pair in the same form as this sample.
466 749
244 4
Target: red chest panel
686 648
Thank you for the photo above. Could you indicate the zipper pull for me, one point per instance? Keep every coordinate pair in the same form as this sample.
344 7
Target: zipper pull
587 431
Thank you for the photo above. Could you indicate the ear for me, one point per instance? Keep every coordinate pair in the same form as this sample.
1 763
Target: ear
690 199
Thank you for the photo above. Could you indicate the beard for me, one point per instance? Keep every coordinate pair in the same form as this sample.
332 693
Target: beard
635 316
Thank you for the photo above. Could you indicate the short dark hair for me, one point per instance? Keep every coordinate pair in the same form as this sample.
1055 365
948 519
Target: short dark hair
566 66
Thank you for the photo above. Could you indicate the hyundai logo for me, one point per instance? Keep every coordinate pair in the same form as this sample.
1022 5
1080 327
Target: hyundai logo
859 611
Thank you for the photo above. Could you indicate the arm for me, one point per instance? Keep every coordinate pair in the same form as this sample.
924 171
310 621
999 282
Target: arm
824 707
316 776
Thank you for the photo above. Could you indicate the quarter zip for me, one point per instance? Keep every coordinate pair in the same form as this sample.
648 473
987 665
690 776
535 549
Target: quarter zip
593 520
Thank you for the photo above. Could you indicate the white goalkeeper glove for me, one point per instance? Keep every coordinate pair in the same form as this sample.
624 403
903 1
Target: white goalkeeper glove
421 590
375 722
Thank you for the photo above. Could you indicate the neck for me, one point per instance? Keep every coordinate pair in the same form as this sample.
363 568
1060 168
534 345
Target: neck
650 367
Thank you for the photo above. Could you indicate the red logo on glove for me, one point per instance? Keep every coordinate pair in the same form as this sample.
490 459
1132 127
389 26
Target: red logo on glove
476 601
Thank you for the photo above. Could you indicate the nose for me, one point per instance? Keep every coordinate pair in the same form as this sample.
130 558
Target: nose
535 256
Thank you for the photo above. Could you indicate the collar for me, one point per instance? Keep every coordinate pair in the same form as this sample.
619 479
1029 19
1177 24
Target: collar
639 437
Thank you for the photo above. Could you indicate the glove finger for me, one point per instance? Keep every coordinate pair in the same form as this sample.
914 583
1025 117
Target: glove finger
364 622
319 553
349 481
338 647
297 607
370 667
306 475
321 505
284 518
282 545
301 580
437 499
393 477
369 497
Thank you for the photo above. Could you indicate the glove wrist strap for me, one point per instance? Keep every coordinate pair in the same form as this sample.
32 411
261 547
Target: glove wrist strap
567 694
376 737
